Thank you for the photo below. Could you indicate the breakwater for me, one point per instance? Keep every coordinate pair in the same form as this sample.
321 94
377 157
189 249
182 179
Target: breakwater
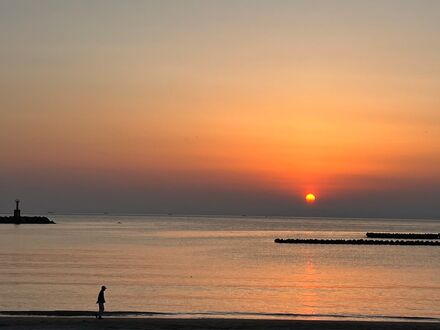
25 220
355 242
404 235
18 219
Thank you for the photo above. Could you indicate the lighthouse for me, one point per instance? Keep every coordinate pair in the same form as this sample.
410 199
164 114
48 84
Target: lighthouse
17 215
18 219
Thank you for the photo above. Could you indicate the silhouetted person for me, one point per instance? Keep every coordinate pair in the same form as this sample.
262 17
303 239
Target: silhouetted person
101 302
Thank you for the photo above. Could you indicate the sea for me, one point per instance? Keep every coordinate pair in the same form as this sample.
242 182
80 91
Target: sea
219 266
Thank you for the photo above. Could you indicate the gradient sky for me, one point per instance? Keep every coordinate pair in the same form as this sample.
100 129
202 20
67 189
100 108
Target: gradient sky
224 107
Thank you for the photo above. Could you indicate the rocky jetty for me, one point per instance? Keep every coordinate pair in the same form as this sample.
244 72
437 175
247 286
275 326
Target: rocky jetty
404 235
18 219
25 220
356 242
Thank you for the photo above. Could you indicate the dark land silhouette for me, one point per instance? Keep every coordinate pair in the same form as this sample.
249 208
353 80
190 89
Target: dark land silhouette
18 219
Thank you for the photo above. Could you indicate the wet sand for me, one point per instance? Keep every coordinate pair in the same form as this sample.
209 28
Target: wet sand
81 323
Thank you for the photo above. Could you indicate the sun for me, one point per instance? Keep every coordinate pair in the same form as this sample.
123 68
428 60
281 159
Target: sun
310 198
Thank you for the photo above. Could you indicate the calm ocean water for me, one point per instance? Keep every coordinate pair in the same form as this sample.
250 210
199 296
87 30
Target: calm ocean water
219 266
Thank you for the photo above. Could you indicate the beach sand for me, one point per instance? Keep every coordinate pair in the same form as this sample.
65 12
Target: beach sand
81 323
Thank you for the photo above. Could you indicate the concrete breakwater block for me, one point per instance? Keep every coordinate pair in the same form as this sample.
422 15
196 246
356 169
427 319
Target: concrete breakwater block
356 242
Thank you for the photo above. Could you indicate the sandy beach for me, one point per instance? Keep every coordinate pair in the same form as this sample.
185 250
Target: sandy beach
19 323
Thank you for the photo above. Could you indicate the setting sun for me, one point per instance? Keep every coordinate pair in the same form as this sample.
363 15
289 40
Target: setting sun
310 198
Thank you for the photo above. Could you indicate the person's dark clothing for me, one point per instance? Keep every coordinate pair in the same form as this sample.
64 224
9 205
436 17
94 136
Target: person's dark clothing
101 299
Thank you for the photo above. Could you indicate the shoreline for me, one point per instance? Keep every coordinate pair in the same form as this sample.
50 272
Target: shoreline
218 315
90 314
116 323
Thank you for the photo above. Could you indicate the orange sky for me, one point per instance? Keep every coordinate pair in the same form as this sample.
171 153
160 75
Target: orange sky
265 97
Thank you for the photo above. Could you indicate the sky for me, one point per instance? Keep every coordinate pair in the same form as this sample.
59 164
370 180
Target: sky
221 107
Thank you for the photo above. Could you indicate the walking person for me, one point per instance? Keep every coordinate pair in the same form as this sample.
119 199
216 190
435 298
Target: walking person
101 301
